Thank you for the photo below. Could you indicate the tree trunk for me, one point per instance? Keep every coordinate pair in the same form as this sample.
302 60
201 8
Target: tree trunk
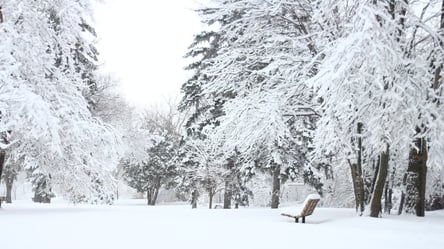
227 195
416 178
210 198
194 196
2 161
149 197
358 187
375 176
357 178
156 190
9 182
1 14
402 201
153 192
359 170
387 198
276 186
375 205
156 194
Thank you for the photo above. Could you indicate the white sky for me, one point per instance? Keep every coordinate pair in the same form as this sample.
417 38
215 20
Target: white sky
143 42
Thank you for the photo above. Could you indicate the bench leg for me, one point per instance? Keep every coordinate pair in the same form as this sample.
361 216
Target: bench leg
303 219
296 220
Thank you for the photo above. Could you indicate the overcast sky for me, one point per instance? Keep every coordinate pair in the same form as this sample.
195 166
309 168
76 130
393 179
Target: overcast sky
143 42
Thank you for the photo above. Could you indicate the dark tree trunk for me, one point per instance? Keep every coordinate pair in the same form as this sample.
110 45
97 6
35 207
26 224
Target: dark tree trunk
194 196
416 178
359 170
150 197
402 201
1 14
153 192
375 205
156 190
156 194
2 162
357 177
375 176
210 198
387 198
358 187
9 182
276 191
227 195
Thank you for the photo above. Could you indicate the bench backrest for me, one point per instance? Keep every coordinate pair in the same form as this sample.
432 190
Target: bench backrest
309 207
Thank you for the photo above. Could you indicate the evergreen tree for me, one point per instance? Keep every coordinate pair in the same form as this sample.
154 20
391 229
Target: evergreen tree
203 109
152 159
156 171
266 118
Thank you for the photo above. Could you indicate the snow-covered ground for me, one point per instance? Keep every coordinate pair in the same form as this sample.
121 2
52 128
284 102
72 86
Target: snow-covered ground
132 225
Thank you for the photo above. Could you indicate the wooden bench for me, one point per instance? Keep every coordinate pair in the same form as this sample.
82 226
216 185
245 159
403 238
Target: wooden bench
2 198
309 206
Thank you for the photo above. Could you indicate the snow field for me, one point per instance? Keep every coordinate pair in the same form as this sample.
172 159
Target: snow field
135 225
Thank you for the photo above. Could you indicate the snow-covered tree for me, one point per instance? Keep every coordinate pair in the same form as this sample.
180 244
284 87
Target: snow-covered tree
151 160
374 83
156 171
203 109
359 68
43 106
268 114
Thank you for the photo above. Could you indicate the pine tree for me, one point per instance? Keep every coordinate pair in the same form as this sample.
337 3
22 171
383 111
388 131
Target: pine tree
156 171
152 159
266 118
203 109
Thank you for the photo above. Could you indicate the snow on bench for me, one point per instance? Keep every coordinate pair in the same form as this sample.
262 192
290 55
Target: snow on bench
308 207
